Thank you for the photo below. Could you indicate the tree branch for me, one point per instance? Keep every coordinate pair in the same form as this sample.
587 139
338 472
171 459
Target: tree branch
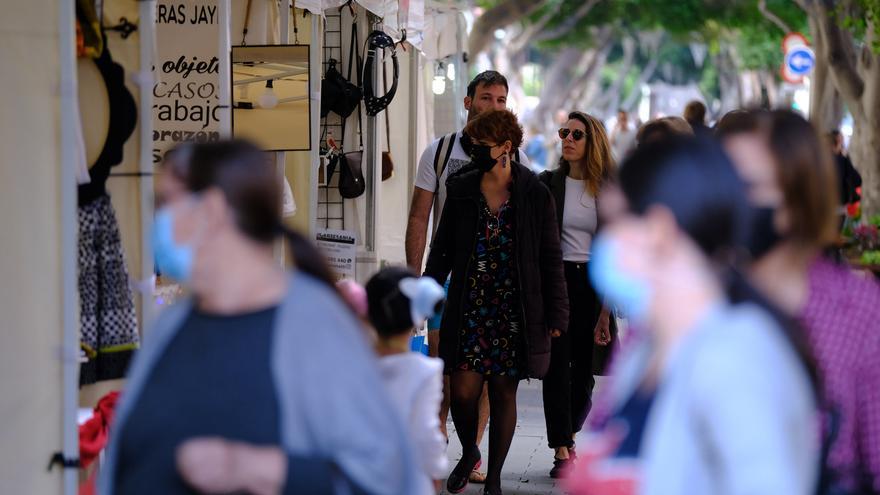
579 88
647 72
569 23
612 95
770 16
840 53
503 14
522 41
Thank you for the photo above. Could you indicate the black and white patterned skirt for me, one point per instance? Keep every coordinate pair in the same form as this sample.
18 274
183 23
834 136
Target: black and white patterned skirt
109 328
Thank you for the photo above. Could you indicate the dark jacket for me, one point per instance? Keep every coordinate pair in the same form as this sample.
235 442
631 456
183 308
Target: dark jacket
555 181
543 295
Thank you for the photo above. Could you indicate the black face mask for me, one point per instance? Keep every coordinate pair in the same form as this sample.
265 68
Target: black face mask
481 157
763 236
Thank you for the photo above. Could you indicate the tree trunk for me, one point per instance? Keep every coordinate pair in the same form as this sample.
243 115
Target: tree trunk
647 72
728 80
552 93
610 99
864 151
855 72
826 104
768 81
500 16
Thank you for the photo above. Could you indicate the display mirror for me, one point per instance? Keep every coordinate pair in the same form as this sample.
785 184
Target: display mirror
270 96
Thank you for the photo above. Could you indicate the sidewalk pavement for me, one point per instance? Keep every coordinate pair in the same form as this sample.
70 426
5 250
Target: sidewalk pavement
526 471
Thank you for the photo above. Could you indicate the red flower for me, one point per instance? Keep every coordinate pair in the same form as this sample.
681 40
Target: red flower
852 209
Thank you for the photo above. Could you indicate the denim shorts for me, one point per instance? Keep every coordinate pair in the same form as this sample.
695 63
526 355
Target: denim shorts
435 321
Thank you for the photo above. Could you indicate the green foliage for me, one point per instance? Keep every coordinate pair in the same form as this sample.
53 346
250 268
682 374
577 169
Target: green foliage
857 16
709 81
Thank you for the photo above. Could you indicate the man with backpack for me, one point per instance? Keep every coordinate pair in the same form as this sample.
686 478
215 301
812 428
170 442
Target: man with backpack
442 158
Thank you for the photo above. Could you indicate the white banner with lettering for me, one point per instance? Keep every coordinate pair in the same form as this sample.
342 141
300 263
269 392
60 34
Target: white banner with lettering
186 91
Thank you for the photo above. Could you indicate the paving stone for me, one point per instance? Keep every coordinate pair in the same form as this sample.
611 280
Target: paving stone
527 468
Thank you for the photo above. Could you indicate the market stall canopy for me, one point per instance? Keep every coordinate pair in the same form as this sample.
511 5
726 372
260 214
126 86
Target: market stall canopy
430 26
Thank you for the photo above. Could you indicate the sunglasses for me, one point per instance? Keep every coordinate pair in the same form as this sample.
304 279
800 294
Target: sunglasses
577 134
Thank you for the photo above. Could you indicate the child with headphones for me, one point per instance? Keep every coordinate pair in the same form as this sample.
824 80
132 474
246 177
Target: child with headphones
398 301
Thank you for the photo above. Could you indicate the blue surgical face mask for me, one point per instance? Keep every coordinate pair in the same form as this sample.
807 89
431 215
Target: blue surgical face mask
173 259
623 290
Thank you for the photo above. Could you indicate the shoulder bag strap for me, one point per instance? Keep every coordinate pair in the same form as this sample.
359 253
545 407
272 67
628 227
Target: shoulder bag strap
387 124
247 20
444 150
354 54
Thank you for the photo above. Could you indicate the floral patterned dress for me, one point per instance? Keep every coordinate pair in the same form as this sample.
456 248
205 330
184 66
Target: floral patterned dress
491 340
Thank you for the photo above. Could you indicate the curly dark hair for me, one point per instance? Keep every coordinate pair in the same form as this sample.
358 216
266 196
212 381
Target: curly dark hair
495 126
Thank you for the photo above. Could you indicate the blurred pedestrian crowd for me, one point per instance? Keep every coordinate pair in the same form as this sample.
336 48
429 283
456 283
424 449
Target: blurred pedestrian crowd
750 364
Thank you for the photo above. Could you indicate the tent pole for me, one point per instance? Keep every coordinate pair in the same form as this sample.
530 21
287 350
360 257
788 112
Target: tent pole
315 51
146 32
69 243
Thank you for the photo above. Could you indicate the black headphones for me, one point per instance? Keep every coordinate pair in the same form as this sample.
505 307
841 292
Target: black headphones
375 104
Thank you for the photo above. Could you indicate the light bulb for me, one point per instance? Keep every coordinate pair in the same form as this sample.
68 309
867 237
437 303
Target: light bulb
450 72
439 85
268 99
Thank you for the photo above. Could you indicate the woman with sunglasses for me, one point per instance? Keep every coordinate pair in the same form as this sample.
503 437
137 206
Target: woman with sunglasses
586 164
498 238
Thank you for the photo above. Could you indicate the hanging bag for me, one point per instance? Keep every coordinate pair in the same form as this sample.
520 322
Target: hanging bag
338 95
387 162
351 174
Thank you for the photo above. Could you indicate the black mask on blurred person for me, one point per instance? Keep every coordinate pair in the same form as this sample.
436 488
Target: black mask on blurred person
481 157
763 236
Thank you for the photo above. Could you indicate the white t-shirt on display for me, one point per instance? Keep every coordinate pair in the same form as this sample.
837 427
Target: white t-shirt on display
426 176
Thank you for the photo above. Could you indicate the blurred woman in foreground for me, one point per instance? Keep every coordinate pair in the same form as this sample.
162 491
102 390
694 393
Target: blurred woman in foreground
793 190
715 397
233 390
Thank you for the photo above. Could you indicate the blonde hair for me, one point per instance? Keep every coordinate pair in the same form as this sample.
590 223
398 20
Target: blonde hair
597 155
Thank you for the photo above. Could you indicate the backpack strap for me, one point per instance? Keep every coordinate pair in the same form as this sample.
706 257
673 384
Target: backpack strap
444 150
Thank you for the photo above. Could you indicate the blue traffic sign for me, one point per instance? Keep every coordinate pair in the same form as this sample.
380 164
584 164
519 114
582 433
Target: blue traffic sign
800 60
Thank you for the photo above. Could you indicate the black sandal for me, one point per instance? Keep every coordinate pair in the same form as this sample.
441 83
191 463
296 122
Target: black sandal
459 477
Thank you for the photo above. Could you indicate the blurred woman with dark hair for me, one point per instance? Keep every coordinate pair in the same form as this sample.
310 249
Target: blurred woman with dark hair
792 188
717 394
233 391
498 237
585 167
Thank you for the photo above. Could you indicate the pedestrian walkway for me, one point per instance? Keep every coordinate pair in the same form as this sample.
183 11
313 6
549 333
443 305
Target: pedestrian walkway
527 469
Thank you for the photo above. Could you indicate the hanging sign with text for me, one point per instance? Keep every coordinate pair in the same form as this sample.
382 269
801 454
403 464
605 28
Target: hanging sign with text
186 90
340 249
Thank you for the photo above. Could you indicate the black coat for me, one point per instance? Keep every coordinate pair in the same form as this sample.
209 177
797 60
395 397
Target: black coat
555 181
544 296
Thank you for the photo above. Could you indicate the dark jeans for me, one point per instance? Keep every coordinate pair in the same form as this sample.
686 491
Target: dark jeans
568 385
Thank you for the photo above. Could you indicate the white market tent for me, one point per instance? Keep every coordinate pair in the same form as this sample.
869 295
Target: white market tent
434 29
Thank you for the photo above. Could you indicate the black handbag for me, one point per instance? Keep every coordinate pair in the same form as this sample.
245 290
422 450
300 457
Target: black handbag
338 95
351 173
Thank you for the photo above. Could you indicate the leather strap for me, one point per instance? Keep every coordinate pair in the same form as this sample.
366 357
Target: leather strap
247 21
355 54
387 124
